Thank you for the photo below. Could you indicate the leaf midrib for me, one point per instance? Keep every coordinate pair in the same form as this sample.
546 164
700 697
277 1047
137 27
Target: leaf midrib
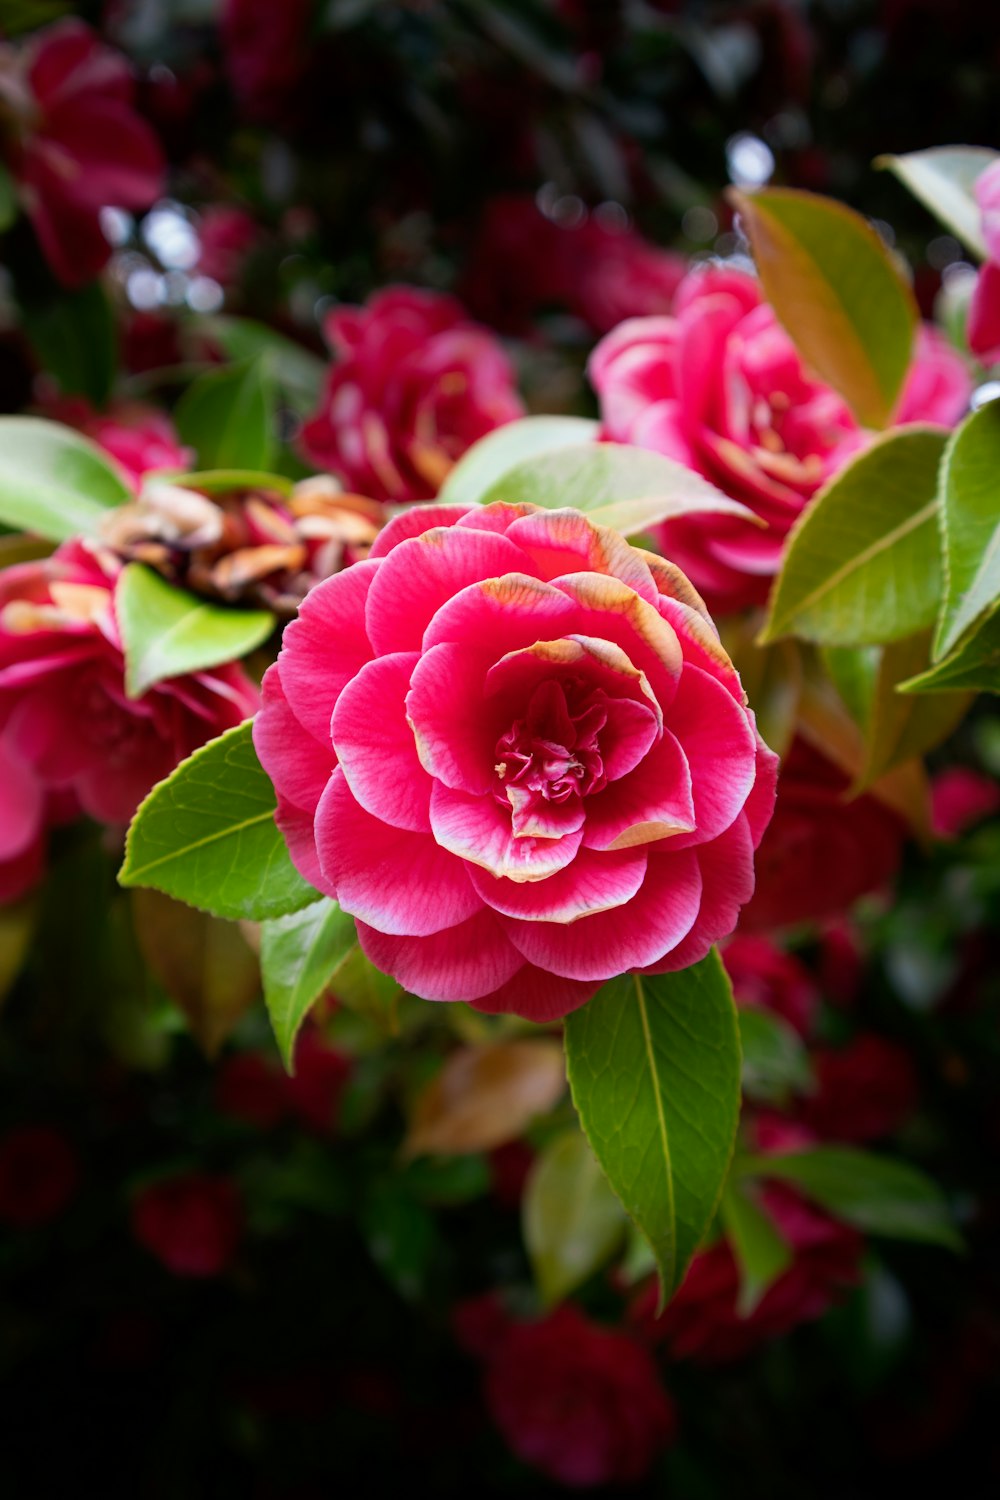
662 1122
211 838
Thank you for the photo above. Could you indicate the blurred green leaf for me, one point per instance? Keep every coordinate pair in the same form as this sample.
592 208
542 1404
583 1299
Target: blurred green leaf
775 1059
401 1235
8 199
218 481
571 1220
970 525
504 449
298 372
942 178
761 1253
53 481
372 995
654 1068
903 727
228 417
299 953
974 667
838 291
74 337
207 835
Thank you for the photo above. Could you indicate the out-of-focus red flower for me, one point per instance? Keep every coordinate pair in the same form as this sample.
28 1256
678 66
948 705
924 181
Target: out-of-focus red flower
74 143
961 798
137 436
702 1322
192 1224
150 341
581 1402
479 1324
265 50
983 330
509 1168
316 1087
39 1174
841 961
250 1088
413 385
22 824
226 234
765 976
865 1090
819 853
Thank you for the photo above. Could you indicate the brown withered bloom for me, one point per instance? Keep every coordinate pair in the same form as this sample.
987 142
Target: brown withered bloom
245 546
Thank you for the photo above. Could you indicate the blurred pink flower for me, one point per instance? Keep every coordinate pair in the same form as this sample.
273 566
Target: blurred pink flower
192 1224
961 798
138 437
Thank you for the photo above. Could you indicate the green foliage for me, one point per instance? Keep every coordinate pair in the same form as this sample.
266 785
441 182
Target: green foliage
297 372
654 1068
862 564
876 1194
942 178
54 482
219 481
299 954
899 727
207 835
8 200
838 291
973 667
75 339
775 1060
970 525
571 1219
487 461
760 1251
228 417
167 631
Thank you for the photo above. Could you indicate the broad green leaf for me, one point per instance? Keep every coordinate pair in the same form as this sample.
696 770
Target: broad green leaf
373 996
838 291
75 338
970 525
207 835
166 631
654 1067
899 728
862 564
772 678
297 371
299 954
974 667
875 1193
942 178
227 416
571 1220
775 1060
760 1251
507 447
854 671
617 485
401 1234
8 200
54 482
219 481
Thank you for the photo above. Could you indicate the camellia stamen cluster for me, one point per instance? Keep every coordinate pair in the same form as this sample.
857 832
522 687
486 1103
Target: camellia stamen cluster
512 747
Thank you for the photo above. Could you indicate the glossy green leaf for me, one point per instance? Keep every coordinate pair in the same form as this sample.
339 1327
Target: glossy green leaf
970 526
761 1253
974 667
901 727
207 835
654 1067
875 1193
571 1220
942 178
53 481
617 485
862 564
75 338
299 954
228 417
166 631
297 371
219 481
775 1060
838 291
478 470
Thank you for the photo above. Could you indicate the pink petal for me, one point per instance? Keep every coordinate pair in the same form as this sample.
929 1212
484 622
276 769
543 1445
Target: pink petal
22 804
397 881
421 575
463 963
760 803
727 884
650 803
592 883
564 541
298 765
719 743
613 612
455 731
537 996
503 614
701 645
601 946
326 646
479 829
376 747
414 521
299 832
494 517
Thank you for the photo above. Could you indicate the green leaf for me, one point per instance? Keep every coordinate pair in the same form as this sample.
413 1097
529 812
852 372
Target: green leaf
227 416
8 199
53 481
401 1234
942 178
207 835
505 448
219 481
299 954
862 564
761 1253
571 1220
838 291
654 1067
874 1193
166 631
974 667
75 339
898 728
297 371
970 525
775 1060
365 990
617 485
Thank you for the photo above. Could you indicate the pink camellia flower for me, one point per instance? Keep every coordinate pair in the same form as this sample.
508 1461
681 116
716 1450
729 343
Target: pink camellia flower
266 50
720 387
766 977
865 1090
74 143
63 706
513 748
225 234
39 1173
192 1224
581 1402
413 385
961 798
138 437
22 825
